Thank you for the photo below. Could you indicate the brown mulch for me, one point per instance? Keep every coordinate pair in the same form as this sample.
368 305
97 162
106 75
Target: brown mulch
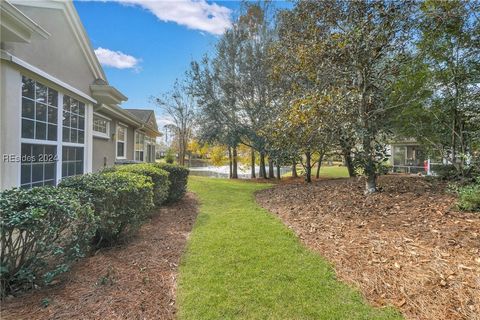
406 246
133 281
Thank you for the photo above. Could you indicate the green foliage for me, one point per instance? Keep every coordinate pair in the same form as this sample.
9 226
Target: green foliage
445 172
169 156
161 184
43 230
121 200
469 197
178 177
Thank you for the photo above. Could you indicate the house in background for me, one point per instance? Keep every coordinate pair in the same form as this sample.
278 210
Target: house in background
58 114
407 156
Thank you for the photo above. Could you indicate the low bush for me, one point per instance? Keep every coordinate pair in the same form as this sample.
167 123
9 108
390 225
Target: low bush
469 197
445 172
121 201
161 184
43 230
178 177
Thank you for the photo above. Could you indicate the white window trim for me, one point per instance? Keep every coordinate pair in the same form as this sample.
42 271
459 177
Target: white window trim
135 145
99 134
59 142
124 142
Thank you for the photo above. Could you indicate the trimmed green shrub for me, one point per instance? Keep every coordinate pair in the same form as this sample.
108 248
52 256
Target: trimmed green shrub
43 230
178 177
469 198
161 184
121 200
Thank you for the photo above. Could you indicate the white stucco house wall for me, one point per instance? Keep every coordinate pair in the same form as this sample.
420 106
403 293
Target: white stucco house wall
52 92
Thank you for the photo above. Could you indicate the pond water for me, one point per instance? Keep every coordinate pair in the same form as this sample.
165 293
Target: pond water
223 171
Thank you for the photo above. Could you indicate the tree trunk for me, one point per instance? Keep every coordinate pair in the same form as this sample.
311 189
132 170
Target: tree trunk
235 164
308 167
229 163
347 155
253 164
271 175
369 168
262 172
278 172
371 185
294 170
320 159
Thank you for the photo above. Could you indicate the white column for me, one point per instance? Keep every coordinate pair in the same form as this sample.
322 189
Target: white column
10 125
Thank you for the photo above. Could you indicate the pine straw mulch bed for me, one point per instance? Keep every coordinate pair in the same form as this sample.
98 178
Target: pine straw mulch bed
133 281
406 246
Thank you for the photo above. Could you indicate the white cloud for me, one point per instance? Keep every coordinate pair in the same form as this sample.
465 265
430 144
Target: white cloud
194 14
116 59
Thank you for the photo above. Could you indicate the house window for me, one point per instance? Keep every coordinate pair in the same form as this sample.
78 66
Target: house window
38 165
39 111
73 120
44 153
72 161
139 146
101 127
121 142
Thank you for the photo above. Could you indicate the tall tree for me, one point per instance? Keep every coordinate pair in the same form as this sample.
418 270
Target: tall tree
444 80
180 107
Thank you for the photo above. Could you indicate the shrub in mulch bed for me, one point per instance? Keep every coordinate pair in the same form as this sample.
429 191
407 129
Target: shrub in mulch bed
43 230
121 200
161 183
178 177
469 197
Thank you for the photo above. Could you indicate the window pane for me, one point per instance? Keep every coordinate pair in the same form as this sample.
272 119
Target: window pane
41 112
66 135
81 108
52 115
52 132
27 129
52 97
79 154
40 131
50 171
120 149
37 172
74 106
41 93
73 135
71 153
66 118
79 167
71 168
66 103
81 123
25 176
26 152
81 136
28 88
64 169
28 108
73 121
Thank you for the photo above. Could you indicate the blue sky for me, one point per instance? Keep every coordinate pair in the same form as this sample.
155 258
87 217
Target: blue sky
145 45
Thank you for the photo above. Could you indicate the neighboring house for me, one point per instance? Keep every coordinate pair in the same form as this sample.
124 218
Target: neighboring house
407 156
58 115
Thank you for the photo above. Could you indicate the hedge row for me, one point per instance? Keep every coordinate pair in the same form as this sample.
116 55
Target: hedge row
45 229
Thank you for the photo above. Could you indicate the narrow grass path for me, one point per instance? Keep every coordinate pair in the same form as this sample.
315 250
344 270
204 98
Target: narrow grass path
243 263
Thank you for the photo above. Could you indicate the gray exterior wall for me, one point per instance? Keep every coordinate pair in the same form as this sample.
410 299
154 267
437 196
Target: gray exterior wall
55 54
104 150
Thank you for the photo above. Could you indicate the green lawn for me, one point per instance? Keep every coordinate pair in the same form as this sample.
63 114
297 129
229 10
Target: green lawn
325 172
243 263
